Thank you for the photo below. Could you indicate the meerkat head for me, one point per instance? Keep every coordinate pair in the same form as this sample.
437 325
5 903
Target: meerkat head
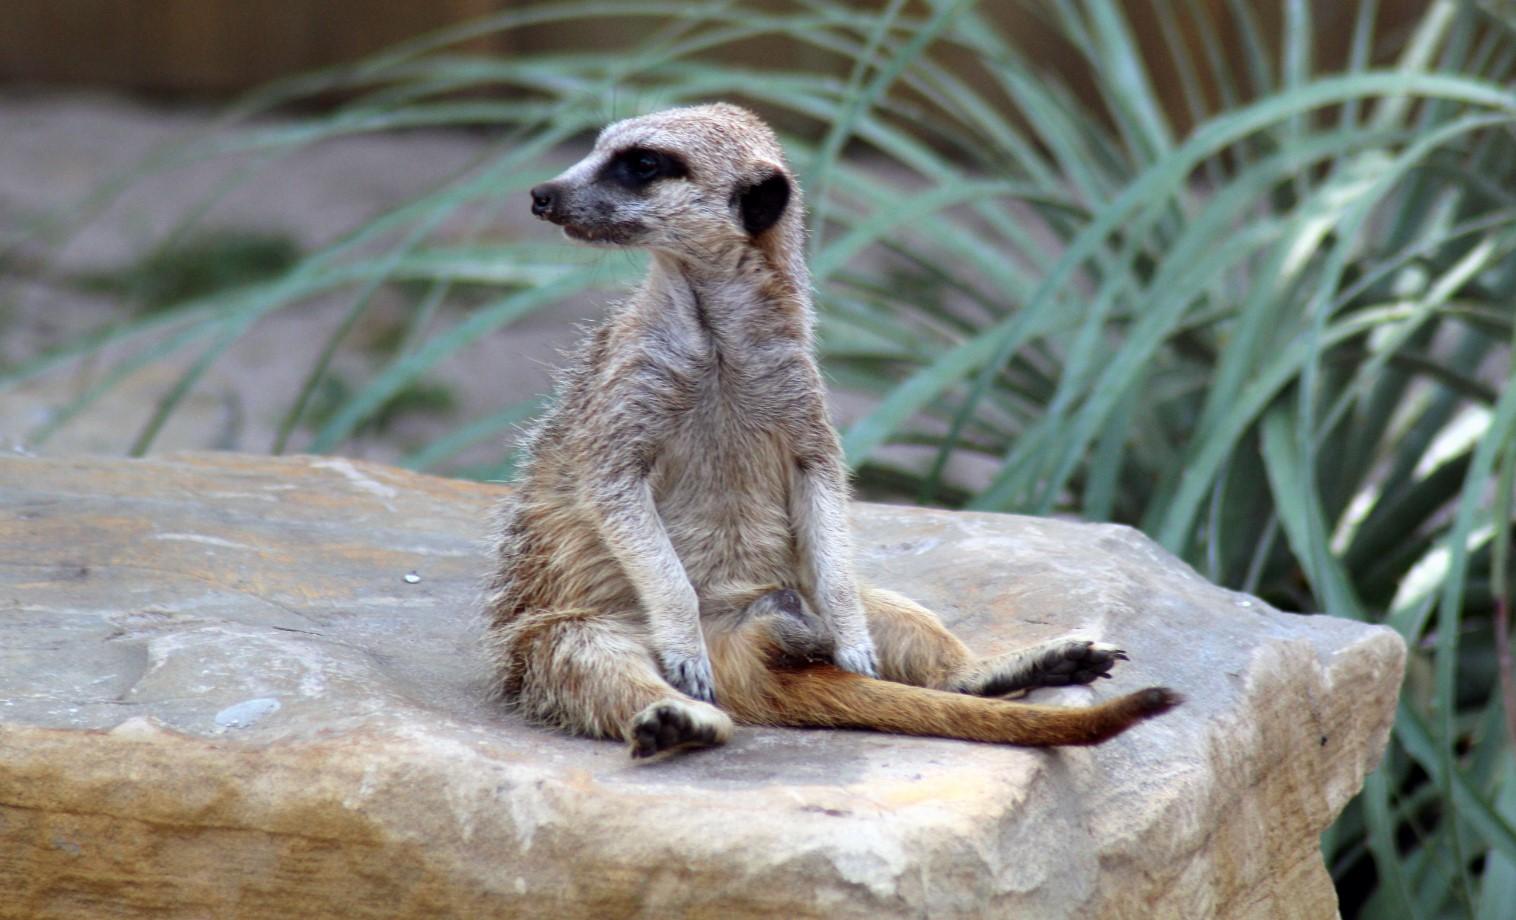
692 182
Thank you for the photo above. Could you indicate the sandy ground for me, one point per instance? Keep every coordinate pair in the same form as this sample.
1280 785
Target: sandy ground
56 149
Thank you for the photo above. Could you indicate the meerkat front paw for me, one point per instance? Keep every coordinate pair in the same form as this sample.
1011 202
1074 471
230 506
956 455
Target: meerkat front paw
673 725
691 675
1056 664
858 658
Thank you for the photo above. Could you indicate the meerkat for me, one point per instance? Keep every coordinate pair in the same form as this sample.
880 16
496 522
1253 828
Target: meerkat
675 554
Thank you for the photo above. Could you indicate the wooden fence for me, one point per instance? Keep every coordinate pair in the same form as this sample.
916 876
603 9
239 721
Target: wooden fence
220 47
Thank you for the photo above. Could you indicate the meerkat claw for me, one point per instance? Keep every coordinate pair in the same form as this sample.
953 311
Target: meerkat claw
692 677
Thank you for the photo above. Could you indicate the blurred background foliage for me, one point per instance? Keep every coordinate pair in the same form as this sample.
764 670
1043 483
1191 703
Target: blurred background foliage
1240 274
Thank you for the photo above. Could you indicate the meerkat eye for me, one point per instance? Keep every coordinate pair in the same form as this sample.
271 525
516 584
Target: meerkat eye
639 166
645 164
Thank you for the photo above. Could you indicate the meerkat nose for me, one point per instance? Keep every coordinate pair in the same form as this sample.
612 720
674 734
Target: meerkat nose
544 197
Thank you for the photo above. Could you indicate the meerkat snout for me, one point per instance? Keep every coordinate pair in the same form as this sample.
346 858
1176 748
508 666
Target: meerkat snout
614 195
543 198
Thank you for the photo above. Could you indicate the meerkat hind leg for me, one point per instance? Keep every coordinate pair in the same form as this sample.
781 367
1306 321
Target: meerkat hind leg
916 648
1058 663
593 675
912 644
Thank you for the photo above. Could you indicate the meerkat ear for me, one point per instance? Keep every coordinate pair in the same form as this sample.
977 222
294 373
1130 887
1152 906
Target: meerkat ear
762 203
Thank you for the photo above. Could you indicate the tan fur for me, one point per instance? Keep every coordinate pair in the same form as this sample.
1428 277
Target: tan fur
679 535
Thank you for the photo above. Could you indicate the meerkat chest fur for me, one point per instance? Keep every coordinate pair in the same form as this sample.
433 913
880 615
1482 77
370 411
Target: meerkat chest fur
722 480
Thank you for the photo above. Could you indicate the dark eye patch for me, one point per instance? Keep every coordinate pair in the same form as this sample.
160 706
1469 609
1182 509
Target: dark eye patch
638 167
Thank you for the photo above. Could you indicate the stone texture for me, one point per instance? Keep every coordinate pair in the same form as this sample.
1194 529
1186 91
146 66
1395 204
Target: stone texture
221 696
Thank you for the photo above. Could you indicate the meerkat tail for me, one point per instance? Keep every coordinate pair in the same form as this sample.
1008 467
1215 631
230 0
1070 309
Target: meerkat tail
822 695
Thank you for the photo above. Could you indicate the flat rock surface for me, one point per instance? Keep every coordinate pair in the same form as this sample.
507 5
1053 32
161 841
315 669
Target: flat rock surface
236 686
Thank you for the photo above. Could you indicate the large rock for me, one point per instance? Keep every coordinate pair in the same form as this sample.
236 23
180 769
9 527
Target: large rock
249 687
